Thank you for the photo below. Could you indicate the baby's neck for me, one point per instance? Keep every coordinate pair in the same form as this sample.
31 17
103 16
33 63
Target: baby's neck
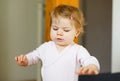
60 48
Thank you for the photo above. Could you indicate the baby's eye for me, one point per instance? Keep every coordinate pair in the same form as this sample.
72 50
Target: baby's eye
55 29
66 30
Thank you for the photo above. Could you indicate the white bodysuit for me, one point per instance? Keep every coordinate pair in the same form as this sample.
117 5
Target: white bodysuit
61 66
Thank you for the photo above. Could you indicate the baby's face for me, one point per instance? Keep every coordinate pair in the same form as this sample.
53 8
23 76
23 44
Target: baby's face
63 31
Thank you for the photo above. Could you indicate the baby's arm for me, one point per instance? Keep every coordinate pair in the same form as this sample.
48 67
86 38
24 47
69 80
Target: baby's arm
21 60
89 64
90 69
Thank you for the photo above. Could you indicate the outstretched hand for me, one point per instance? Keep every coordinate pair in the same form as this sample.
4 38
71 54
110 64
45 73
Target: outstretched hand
21 60
88 70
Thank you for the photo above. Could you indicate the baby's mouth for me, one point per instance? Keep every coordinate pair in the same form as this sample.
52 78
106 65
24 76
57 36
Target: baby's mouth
59 39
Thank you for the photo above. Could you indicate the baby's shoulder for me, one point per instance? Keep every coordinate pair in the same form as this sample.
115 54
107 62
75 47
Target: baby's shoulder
80 47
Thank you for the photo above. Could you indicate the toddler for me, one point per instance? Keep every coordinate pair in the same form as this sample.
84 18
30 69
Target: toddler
63 59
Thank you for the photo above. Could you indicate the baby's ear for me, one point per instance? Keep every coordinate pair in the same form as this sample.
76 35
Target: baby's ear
77 33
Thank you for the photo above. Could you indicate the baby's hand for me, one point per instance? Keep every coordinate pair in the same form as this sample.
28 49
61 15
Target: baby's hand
88 70
21 60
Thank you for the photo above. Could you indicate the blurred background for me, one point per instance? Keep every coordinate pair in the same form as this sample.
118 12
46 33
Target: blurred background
22 29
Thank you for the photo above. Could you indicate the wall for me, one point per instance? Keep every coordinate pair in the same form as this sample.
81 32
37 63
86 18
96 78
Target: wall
115 36
3 44
18 35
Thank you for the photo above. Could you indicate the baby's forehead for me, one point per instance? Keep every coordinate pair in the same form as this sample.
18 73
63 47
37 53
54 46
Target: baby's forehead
57 17
61 26
62 21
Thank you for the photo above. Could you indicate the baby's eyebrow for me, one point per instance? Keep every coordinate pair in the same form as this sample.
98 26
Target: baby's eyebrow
54 25
66 27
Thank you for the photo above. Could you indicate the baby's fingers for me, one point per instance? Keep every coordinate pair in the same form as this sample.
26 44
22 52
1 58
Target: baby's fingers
94 72
16 58
21 59
82 71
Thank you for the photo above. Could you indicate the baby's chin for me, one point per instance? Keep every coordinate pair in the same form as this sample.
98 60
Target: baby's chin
62 44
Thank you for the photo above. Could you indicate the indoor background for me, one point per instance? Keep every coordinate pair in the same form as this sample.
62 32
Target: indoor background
22 29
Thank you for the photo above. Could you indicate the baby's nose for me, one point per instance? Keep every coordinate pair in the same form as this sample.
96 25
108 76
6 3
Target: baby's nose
60 32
